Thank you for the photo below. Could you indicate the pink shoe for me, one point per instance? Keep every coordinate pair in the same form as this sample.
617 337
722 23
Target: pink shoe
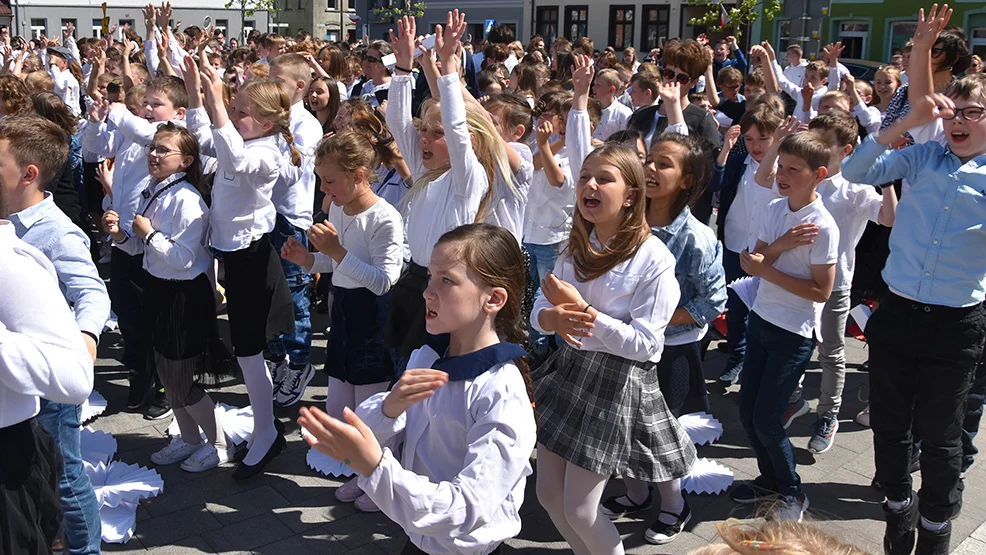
349 492
366 505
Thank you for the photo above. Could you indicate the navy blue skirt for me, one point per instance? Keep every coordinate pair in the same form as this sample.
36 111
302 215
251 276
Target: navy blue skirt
356 352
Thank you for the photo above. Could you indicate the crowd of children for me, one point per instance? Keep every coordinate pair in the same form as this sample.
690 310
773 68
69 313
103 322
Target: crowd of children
521 251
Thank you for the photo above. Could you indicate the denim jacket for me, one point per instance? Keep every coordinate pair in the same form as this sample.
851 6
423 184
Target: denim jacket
698 269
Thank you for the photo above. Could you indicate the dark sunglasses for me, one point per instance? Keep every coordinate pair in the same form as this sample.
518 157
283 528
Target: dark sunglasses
371 60
671 75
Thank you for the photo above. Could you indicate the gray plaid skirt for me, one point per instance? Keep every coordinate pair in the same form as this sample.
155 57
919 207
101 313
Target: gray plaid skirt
606 414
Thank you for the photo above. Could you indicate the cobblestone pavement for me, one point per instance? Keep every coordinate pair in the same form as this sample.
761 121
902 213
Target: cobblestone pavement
291 509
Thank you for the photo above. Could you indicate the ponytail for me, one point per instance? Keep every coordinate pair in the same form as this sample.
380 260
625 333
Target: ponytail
289 139
269 103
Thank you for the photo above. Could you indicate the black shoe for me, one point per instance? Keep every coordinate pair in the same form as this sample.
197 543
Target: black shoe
245 470
242 449
934 543
865 367
661 533
899 537
613 510
157 407
753 491
138 393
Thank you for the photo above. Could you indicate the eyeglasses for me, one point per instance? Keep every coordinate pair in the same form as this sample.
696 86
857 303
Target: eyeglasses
969 113
937 51
672 75
371 60
159 151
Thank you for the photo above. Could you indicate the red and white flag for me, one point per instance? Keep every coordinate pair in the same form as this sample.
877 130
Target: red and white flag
723 16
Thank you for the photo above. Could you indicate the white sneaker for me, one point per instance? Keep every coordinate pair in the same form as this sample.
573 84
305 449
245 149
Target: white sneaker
863 418
791 508
176 451
204 458
278 371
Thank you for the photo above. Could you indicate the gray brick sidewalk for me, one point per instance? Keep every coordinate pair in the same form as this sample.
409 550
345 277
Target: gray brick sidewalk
291 509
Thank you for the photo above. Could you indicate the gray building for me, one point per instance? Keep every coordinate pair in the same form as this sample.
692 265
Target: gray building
332 20
513 13
32 18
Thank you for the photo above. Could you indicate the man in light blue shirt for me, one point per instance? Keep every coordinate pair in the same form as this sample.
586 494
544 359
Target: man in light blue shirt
32 150
927 336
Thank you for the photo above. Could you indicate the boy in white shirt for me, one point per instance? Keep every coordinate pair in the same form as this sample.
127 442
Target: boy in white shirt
615 115
780 334
293 197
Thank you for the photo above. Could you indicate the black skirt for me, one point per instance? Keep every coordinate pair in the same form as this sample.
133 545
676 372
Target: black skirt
681 375
356 353
258 300
30 507
406 319
180 316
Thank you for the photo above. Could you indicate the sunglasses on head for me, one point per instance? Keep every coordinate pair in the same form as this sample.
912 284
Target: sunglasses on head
672 75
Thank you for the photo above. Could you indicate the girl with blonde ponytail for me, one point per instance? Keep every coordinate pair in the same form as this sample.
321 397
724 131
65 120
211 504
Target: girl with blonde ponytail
245 140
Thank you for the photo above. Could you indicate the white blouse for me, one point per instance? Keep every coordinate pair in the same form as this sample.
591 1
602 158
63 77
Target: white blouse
242 211
181 218
294 192
67 88
374 241
453 198
635 300
459 486
549 208
41 349
509 203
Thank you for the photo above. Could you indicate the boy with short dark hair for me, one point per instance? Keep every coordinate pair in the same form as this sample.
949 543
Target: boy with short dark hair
794 285
32 151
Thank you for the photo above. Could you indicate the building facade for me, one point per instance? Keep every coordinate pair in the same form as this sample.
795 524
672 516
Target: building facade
875 29
33 18
513 13
332 20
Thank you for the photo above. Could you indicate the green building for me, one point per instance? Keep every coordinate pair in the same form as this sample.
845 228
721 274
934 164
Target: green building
875 29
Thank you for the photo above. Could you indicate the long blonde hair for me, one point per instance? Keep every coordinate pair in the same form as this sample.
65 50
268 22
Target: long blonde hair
590 263
489 149
270 104
780 537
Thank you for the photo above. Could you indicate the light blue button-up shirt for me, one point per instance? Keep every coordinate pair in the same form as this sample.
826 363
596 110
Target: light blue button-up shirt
938 242
45 227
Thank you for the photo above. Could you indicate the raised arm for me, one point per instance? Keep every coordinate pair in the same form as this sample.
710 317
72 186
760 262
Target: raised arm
766 173
920 73
398 113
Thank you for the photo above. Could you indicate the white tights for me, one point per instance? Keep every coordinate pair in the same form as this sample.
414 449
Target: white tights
571 495
671 499
343 394
260 389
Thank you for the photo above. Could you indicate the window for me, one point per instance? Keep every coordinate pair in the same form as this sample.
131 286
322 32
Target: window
332 5
97 28
783 35
125 24
248 26
66 22
351 5
900 33
978 42
576 22
853 35
655 27
301 4
222 25
39 27
547 23
621 26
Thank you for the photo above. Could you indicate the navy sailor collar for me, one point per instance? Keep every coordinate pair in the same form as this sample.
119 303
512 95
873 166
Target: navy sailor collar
471 365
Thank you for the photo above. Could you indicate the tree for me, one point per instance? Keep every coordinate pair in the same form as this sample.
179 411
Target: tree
739 18
395 10
248 8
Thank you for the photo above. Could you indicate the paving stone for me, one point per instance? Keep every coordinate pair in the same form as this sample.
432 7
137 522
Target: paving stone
315 513
980 533
191 546
315 541
971 546
169 529
248 534
244 505
362 528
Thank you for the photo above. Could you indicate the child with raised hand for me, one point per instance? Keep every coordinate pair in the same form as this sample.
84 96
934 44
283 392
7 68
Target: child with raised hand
927 335
785 316
361 246
463 411
676 171
599 406
179 309
245 142
453 160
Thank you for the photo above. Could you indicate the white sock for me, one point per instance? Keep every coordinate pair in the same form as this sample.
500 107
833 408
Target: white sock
933 526
260 389
897 506
186 425
671 500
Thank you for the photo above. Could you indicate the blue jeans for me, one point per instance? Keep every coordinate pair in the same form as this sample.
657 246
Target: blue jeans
736 311
775 360
542 261
298 345
83 530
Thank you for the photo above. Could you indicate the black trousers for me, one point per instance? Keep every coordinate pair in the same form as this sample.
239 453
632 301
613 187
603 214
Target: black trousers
30 510
411 549
922 361
127 281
